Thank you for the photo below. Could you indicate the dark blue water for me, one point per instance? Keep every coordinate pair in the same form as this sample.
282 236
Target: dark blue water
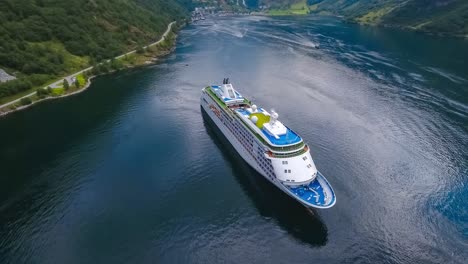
130 172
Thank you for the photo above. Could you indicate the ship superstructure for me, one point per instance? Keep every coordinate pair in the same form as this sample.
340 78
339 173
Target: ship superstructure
268 145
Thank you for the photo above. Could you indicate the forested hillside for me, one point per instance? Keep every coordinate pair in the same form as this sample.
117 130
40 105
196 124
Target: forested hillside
445 17
43 39
448 17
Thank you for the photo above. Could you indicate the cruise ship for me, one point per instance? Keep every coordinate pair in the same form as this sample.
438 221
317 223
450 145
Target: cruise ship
267 145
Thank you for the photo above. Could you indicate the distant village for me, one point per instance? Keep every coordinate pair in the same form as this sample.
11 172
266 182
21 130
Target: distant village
200 13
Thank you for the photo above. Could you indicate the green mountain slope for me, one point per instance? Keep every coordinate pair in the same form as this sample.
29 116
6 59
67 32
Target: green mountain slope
42 39
445 17
288 7
449 17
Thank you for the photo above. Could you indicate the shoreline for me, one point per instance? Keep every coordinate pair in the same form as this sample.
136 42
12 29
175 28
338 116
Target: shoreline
150 61
403 28
48 98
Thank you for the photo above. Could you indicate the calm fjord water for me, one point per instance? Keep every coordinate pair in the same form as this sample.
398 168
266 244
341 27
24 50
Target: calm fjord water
129 171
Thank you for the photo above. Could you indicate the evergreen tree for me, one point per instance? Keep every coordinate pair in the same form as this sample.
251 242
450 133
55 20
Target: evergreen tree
41 92
140 50
25 101
66 85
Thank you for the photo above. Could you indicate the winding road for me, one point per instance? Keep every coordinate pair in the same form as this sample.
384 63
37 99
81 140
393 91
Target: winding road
69 78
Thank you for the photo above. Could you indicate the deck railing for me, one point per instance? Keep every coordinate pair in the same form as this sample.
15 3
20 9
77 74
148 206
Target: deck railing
288 155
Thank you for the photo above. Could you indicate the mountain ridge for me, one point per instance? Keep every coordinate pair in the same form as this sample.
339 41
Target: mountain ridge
441 17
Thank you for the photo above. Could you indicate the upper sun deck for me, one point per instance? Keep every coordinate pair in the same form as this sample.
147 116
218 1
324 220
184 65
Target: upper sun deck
227 94
268 127
265 125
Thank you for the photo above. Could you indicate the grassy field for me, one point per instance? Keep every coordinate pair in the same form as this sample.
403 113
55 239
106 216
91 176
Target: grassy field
58 91
374 16
299 8
81 79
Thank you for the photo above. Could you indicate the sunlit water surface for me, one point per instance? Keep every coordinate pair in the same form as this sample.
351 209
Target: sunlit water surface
129 171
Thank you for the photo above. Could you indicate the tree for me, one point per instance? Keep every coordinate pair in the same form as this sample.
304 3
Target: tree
77 83
140 50
41 92
115 64
104 67
25 101
95 70
66 85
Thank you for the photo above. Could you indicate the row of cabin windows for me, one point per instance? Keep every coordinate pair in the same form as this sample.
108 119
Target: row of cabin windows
287 171
242 130
247 142
234 126
267 170
263 159
230 126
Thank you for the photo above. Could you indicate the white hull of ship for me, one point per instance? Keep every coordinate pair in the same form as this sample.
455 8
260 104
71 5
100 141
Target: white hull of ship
238 146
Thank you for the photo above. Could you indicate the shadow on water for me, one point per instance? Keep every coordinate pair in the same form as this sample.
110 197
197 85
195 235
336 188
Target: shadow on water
26 188
302 223
52 128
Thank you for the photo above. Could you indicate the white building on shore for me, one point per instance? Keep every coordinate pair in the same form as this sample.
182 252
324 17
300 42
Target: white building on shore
4 77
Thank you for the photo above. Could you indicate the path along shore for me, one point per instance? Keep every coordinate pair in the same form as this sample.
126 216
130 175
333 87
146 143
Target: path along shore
70 77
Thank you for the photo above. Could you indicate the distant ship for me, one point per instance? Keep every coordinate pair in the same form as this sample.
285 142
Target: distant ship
267 145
